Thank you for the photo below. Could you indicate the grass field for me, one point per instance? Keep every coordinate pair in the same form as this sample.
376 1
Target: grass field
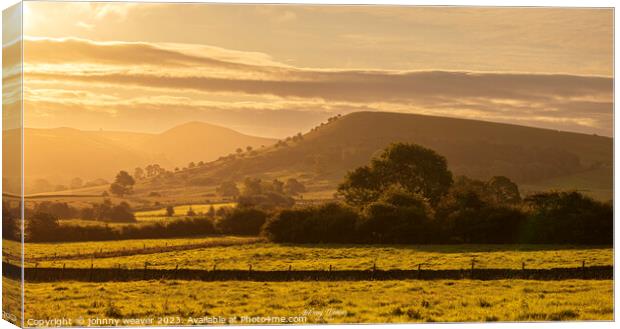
40 250
180 211
271 256
320 302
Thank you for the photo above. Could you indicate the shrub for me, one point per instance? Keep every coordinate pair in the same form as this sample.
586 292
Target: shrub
330 222
242 221
568 217
398 217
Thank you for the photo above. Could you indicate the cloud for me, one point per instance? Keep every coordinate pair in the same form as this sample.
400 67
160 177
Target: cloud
553 100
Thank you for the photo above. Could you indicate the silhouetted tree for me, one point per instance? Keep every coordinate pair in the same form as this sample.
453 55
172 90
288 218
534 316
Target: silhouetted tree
399 216
228 189
123 184
138 173
413 167
503 190
191 212
40 225
211 212
568 217
169 211
242 221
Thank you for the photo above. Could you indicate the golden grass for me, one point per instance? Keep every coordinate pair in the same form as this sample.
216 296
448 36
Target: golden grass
271 256
180 211
11 300
60 249
320 302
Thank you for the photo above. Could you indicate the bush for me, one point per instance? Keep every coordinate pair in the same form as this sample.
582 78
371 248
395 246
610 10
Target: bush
466 215
265 200
330 222
41 226
242 221
398 217
52 232
568 217
109 212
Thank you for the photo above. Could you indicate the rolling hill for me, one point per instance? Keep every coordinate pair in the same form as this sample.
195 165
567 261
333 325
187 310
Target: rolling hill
61 154
533 157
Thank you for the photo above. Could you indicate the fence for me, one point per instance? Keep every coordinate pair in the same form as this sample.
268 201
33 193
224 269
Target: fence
92 274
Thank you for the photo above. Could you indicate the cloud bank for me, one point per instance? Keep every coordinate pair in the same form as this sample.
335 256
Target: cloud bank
210 77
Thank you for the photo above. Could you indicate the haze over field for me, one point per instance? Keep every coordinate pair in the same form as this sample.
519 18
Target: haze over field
60 154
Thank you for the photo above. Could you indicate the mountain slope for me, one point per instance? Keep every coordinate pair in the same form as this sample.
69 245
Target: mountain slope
198 141
474 148
61 154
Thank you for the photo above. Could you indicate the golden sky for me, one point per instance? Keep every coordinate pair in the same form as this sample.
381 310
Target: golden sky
274 70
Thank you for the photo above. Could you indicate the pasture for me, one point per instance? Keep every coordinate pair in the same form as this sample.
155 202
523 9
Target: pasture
240 252
180 211
324 302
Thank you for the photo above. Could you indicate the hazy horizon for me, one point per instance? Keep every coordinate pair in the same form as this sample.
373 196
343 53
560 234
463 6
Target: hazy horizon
275 70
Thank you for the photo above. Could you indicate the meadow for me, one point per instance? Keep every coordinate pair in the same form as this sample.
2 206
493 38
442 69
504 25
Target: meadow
239 253
179 211
12 249
323 302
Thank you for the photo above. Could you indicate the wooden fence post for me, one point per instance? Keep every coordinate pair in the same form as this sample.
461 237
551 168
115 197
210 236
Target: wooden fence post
146 264
473 261
374 269
91 271
523 266
583 269
419 271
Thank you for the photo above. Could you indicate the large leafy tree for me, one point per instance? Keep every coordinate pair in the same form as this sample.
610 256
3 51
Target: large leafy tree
123 184
415 168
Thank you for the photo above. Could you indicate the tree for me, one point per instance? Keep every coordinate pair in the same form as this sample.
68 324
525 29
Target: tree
413 167
9 223
169 211
154 170
138 173
211 212
239 150
41 225
503 190
399 216
248 148
568 217
123 184
121 213
191 212
294 187
191 165
228 189
76 183
252 186
242 221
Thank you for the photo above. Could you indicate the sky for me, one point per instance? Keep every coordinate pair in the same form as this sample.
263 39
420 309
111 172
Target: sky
275 70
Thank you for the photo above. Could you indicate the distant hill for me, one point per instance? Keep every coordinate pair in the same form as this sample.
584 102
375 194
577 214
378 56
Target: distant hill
535 158
61 154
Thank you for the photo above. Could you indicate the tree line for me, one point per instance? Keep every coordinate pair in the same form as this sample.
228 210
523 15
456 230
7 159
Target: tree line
408 195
